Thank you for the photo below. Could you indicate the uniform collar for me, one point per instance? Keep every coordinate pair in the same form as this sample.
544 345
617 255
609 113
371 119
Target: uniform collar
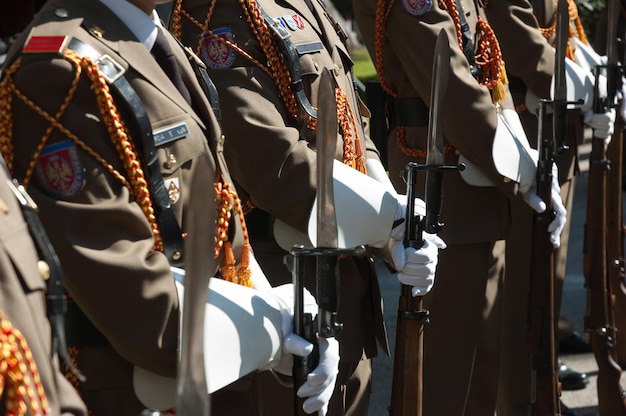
144 27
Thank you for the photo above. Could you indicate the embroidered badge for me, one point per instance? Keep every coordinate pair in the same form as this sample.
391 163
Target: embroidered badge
173 189
299 21
291 24
216 54
59 169
417 7
45 44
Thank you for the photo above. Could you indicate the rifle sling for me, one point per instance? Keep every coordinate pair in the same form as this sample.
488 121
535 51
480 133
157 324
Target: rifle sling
468 43
290 54
138 122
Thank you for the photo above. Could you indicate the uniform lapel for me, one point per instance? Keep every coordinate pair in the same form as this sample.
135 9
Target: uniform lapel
114 34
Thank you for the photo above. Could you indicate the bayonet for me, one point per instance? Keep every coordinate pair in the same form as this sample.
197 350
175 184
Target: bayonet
560 80
326 251
327 264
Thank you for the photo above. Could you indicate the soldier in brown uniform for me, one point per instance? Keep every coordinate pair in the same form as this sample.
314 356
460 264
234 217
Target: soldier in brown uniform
27 361
463 341
98 134
270 150
515 377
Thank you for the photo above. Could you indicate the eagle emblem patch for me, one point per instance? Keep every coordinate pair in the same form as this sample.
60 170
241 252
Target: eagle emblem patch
417 7
215 53
59 169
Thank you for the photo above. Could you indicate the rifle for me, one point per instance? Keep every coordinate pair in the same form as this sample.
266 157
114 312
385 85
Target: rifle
326 253
545 388
407 383
615 234
599 319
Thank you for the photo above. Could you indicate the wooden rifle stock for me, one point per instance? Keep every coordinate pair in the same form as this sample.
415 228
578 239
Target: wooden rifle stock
545 387
407 382
599 319
615 236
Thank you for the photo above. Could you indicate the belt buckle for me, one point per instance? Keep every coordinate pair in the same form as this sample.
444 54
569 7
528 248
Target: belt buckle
109 68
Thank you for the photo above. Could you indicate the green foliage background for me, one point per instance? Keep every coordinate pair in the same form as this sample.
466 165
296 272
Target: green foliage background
588 10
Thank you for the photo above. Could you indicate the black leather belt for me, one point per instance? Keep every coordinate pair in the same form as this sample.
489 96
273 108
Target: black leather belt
139 123
408 112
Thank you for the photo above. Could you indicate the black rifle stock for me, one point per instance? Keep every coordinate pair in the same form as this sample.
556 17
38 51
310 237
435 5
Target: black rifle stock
303 326
324 324
545 387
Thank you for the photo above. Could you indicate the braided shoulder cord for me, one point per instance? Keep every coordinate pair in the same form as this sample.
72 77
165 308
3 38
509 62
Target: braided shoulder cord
20 382
116 127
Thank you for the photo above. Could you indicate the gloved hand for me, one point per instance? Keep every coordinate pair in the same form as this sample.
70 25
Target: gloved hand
321 381
416 267
529 194
603 124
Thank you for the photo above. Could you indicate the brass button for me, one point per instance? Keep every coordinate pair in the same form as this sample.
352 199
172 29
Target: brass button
176 255
507 180
44 269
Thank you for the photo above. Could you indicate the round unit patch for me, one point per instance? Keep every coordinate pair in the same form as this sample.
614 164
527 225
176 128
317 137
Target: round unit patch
417 7
216 54
59 169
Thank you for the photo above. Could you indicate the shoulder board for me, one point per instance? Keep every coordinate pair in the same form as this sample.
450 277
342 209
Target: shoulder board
51 32
45 44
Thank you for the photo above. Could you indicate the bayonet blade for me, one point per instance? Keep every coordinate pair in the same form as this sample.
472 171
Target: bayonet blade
562 34
435 155
326 146
560 81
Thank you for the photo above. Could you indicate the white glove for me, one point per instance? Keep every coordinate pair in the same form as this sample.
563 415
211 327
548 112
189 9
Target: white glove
416 267
603 124
321 381
397 232
555 228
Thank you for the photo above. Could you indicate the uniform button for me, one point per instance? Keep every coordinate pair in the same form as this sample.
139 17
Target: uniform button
44 269
336 70
507 180
61 13
316 65
176 255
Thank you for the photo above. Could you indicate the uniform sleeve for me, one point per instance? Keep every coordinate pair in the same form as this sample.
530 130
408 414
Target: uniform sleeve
526 52
102 236
469 117
263 148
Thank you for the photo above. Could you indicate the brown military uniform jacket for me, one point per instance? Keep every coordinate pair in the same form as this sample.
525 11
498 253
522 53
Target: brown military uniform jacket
469 128
102 236
268 158
22 301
